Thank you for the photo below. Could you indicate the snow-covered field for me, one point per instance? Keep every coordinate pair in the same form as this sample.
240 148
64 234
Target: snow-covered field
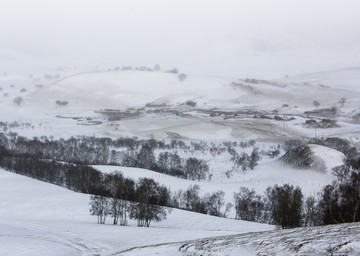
38 218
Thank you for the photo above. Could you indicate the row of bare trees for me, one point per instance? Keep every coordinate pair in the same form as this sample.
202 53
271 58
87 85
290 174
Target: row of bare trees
191 200
143 201
100 151
286 206
112 194
159 156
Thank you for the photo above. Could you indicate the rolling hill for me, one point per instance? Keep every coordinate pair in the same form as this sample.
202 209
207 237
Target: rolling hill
159 105
38 218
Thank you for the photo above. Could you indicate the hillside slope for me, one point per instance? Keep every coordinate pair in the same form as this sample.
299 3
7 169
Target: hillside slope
38 218
266 174
346 79
159 105
315 157
126 89
339 239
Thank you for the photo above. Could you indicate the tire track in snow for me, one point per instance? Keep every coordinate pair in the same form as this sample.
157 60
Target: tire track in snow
85 247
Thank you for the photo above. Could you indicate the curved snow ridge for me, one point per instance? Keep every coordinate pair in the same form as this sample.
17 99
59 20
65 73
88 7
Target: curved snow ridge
346 79
44 240
329 157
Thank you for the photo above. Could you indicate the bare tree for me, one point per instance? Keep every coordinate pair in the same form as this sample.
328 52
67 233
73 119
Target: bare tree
127 192
196 169
146 157
174 71
182 76
18 100
191 198
312 216
248 205
316 103
114 183
340 201
286 205
149 197
100 207
214 202
342 102
157 67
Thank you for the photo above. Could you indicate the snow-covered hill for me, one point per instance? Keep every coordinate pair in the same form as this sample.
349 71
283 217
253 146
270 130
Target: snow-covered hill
126 89
314 157
326 157
135 89
265 175
43 219
159 105
38 218
345 79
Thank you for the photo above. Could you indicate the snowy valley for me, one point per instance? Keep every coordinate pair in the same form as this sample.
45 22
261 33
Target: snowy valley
246 133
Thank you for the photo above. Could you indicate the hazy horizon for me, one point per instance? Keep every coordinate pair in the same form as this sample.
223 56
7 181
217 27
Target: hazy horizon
264 39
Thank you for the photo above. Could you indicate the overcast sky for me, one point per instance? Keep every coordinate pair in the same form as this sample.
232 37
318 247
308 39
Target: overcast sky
243 38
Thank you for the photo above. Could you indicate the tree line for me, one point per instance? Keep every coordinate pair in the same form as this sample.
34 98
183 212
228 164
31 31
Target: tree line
103 151
191 200
287 207
112 194
155 155
281 205
144 200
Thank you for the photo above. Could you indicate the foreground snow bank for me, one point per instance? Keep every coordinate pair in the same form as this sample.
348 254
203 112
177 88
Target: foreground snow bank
339 239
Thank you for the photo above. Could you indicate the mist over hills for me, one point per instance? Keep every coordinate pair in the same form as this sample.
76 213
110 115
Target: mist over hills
179 127
124 103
